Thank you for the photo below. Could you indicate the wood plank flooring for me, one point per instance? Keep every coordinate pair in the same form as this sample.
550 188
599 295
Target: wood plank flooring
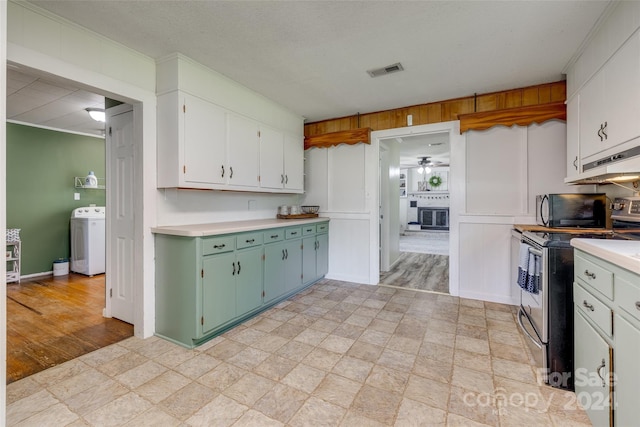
425 272
54 319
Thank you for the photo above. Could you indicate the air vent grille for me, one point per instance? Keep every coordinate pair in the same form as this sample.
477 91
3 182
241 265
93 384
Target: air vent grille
393 68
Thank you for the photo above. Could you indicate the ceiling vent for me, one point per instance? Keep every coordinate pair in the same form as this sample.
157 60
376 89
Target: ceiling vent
393 68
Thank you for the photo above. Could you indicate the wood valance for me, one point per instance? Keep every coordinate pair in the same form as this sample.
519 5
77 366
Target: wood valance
350 137
522 116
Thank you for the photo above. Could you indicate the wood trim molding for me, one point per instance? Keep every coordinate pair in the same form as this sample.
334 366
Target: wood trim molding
522 116
350 137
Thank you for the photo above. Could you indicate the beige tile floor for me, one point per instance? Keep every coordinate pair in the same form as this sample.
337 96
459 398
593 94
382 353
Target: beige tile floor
337 354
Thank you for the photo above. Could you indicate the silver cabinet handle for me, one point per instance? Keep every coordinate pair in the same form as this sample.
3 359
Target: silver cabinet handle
602 366
589 274
575 165
589 306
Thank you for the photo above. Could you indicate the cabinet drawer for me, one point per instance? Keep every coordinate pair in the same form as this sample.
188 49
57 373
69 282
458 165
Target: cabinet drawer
322 228
593 309
308 229
595 276
249 240
293 233
217 245
274 235
628 297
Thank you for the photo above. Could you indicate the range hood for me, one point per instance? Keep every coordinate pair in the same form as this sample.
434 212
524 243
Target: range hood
620 166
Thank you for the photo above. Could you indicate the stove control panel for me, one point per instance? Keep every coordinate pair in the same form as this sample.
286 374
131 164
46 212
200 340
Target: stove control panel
626 209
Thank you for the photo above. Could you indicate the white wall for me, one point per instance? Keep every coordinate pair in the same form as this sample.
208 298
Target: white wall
343 181
505 169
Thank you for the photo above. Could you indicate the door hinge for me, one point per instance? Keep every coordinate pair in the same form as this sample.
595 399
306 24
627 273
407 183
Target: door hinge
202 273
110 131
302 277
111 293
259 134
263 294
264 257
184 168
258 178
202 320
184 108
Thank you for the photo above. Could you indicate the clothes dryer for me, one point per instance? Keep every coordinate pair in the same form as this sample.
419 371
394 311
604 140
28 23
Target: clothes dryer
88 240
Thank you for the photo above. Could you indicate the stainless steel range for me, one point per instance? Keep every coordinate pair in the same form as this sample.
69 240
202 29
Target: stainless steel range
546 314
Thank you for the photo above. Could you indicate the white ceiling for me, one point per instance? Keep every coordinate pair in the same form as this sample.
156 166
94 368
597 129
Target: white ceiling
312 56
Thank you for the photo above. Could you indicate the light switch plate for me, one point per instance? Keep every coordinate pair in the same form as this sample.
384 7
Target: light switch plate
76 196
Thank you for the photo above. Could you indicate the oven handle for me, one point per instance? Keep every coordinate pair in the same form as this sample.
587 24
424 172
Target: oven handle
521 313
535 251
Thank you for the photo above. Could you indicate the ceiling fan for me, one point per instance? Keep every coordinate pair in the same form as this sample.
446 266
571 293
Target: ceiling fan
425 164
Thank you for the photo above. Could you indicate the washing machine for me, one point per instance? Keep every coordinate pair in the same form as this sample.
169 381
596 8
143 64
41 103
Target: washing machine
88 245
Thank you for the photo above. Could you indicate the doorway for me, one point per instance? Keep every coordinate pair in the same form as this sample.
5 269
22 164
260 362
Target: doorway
121 150
430 232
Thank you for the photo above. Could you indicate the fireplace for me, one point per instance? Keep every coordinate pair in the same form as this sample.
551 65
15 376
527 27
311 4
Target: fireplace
433 218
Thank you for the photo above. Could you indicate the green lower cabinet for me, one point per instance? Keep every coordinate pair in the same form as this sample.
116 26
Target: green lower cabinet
627 372
218 291
273 271
315 257
282 268
248 280
592 370
322 255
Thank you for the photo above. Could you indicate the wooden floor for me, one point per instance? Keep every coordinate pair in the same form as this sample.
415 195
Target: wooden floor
425 272
54 319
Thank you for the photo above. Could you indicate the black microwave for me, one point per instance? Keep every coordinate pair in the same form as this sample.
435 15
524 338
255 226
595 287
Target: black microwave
572 210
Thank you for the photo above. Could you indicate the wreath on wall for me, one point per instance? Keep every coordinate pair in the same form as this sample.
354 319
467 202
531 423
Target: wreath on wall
435 181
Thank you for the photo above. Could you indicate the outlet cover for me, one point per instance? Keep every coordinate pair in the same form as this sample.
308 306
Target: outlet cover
76 196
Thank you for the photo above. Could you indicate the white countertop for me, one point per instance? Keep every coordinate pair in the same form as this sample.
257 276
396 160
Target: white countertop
218 228
623 253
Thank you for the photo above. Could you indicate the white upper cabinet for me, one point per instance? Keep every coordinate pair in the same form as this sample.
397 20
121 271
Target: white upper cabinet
281 161
573 136
242 149
204 142
610 102
209 133
294 163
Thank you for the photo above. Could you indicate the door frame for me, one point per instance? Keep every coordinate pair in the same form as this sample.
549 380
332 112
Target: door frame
144 118
456 184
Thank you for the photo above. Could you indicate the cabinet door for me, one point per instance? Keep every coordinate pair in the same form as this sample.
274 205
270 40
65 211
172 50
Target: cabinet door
592 116
573 136
243 151
627 372
218 290
322 255
293 264
248 280
309 259
273 271
592 371
622 93
204 141
293 163
271 158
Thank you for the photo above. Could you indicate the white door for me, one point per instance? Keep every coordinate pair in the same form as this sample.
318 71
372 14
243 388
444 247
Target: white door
243 151
293 162
271 158
120 157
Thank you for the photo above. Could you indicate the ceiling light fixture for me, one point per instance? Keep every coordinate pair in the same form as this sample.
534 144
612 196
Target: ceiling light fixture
96 114
424 164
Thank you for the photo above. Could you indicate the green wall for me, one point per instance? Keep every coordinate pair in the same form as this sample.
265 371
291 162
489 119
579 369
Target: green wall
41 166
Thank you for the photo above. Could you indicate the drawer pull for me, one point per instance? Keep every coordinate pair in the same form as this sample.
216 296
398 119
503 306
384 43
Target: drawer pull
589 274
638 305
309 230
293 233
275 236
602 366
219 246
589 306
250 240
